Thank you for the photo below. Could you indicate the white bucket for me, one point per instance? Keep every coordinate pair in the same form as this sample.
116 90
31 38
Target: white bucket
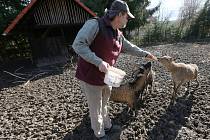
114 77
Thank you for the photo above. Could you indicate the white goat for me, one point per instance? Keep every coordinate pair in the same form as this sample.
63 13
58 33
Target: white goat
181 73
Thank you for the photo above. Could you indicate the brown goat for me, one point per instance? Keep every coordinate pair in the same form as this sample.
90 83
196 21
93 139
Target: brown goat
148 83
127 93
181 73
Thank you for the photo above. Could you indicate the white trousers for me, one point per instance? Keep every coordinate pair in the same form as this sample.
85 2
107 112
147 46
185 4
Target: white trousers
97 99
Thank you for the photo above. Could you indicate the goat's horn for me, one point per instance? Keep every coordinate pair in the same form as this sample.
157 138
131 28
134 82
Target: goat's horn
140 74
135 73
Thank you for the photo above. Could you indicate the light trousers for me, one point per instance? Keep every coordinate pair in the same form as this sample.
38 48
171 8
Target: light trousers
97 99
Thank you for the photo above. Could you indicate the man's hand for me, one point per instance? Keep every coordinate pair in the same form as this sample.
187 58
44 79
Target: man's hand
151 57
103 67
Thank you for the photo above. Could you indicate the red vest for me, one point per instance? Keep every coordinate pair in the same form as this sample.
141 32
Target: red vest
107 45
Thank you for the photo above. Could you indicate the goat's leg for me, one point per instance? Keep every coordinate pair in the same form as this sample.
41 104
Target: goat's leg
174 92
137 94
188 86
141 92
147 89
151 88
130 108
198 84
188 89
132 103
138 97
144 92
176 88
131 111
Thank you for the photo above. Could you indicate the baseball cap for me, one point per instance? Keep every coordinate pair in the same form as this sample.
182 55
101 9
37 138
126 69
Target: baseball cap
118 6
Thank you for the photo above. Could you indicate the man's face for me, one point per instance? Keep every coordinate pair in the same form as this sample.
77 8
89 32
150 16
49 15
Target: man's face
123 20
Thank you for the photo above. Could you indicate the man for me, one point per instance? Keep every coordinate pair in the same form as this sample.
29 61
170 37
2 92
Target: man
99 43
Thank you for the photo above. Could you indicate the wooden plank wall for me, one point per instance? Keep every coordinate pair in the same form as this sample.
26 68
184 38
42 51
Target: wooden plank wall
57 12
54 47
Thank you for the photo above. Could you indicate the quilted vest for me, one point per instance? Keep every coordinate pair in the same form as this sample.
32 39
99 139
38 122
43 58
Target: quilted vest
107 45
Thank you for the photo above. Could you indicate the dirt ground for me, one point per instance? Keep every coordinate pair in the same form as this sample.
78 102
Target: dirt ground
52 106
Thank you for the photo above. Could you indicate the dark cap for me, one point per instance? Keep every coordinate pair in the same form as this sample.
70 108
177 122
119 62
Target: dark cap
118 6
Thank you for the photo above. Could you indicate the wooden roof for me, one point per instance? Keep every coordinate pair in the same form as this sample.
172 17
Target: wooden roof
49 20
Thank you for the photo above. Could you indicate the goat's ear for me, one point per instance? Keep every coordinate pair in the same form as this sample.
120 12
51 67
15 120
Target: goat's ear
175 56
164 54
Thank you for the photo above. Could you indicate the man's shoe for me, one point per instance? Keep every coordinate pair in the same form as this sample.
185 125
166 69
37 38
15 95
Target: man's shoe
105 137
113 129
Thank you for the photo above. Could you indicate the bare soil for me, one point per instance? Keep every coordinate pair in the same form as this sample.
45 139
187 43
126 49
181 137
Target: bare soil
52 106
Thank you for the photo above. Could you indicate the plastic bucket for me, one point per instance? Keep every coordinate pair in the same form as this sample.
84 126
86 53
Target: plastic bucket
114 77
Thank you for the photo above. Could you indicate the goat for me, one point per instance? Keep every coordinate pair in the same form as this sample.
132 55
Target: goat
128 93
148 82
181 73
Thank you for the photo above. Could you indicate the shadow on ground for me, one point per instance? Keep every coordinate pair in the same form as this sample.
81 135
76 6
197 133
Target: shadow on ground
175 117
84 132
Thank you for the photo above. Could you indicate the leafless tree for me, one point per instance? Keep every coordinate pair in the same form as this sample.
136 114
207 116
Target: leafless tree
189 9
187 14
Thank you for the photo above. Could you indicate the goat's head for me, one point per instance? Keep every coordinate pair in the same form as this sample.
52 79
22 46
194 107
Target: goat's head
142 71
165 60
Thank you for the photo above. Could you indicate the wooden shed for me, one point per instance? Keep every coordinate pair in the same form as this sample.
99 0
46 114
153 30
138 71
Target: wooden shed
50 26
